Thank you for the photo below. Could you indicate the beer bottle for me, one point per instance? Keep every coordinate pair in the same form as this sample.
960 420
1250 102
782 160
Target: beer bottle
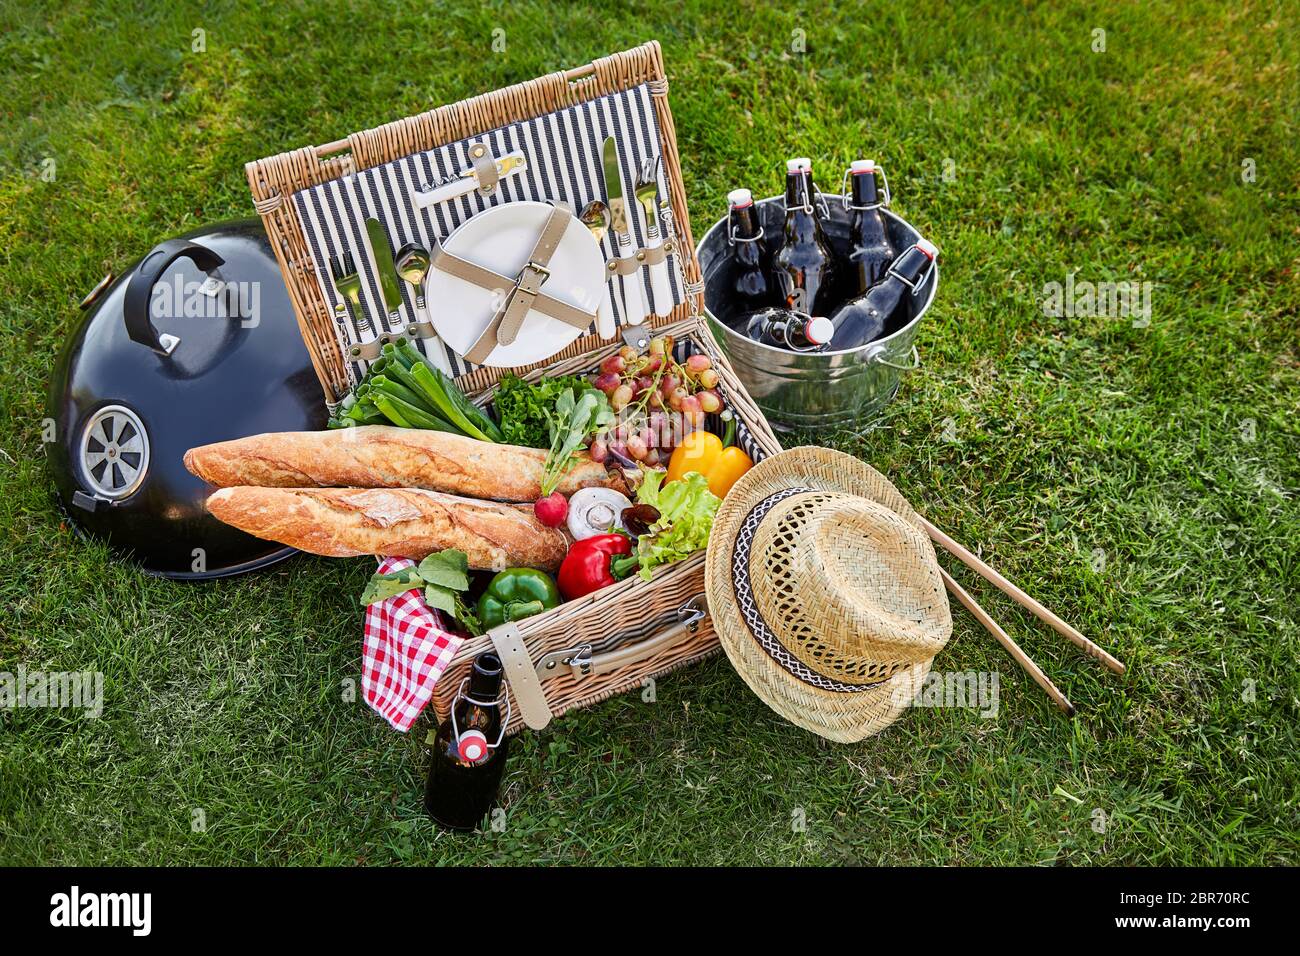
803 266
751 288
783 329
887 306
469 753
870 251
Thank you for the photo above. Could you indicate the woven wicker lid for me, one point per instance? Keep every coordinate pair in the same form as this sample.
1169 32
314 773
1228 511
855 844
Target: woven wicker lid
825 592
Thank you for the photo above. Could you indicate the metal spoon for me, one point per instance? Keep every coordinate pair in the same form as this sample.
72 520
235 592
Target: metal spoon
595 216
413 265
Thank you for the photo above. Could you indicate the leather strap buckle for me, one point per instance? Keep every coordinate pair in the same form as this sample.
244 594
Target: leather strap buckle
531 277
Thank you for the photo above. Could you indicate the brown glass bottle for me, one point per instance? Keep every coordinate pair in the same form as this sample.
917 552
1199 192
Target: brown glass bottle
469 753
888 305
783 329
751 287
803 267
870 251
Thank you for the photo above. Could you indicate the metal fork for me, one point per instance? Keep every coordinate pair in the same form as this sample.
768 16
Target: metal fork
348 284
647 189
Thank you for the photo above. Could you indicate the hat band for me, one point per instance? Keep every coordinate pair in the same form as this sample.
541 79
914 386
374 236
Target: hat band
749 610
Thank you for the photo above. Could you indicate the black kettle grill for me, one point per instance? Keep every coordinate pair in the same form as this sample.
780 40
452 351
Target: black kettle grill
196 343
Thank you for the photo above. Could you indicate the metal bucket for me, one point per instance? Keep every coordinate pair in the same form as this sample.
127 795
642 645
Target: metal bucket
813 389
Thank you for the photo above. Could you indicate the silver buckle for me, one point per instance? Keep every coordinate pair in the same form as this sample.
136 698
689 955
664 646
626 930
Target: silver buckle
532 270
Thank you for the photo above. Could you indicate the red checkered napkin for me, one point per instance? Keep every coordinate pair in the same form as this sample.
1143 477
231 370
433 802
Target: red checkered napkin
406 649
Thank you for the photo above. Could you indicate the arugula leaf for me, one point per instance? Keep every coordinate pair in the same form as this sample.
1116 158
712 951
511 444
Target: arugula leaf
443 575
572 422
449 569
444 599
381 587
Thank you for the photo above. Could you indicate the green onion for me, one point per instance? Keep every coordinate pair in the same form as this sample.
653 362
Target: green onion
389 407
457 407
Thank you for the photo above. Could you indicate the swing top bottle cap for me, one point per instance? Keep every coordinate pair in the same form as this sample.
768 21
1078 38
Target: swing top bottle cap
739 198
819 330
862 166
928 248
800 164
472 746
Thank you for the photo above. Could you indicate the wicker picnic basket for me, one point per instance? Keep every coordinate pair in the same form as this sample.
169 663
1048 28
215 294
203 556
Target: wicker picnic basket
616 639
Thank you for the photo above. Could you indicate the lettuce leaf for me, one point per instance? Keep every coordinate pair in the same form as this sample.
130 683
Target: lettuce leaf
686 511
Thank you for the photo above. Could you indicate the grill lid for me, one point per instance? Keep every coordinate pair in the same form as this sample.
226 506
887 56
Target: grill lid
196 343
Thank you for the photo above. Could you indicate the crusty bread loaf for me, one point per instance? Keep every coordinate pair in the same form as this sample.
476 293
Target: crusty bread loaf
380 456
404 522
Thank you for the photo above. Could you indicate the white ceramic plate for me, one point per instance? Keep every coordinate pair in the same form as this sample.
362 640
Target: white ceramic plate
500 239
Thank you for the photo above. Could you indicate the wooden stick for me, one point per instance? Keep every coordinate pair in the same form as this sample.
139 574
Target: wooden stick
1023 659
1020 597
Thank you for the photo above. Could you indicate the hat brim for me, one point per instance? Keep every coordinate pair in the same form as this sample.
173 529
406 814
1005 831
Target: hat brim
842 717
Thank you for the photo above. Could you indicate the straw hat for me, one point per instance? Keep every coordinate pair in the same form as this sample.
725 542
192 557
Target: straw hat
825 592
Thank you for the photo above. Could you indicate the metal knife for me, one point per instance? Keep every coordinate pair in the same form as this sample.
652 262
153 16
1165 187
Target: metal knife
620 208
386 270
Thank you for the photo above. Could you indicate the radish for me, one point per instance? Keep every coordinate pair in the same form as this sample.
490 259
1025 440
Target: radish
551 510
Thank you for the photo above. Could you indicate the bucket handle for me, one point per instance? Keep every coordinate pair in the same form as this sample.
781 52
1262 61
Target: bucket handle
876 354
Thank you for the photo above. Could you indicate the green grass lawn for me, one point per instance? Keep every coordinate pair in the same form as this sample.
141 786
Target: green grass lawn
1140 480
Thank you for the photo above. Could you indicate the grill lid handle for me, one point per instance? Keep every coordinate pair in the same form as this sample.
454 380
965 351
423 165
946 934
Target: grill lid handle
139 290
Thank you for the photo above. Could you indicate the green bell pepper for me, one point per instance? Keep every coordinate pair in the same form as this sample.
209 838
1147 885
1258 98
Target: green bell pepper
516 594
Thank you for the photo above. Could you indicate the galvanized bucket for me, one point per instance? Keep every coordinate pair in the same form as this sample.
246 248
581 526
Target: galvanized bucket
814 389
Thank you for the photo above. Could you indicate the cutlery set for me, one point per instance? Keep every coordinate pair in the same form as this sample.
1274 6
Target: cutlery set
611 217
630 259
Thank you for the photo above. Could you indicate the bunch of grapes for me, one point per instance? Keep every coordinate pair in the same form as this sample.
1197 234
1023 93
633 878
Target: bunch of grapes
658 400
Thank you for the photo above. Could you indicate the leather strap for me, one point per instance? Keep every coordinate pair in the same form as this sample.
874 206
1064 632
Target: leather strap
648 256
521 675
525 289
475 274
485 168
504 327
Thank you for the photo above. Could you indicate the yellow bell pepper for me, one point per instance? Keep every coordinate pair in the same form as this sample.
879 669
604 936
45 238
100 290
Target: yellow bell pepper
703 451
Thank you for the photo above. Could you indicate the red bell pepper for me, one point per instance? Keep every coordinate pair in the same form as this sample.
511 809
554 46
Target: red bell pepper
594 563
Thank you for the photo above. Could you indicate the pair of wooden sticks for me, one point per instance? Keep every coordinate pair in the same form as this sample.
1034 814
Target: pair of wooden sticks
1023 599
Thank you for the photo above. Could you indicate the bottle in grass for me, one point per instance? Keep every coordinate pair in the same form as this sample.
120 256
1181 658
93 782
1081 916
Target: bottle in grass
870 251
803 267
783 329
469 753
888 305
751 287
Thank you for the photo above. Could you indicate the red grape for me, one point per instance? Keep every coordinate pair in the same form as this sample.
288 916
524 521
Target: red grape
620 397
708 378
613 365
607 382
698 363
709 401
599 451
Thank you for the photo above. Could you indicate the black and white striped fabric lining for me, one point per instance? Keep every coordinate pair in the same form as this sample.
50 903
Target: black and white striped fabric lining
563 150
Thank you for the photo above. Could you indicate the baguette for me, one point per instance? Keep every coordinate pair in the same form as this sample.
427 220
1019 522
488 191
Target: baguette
395 522
380 456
